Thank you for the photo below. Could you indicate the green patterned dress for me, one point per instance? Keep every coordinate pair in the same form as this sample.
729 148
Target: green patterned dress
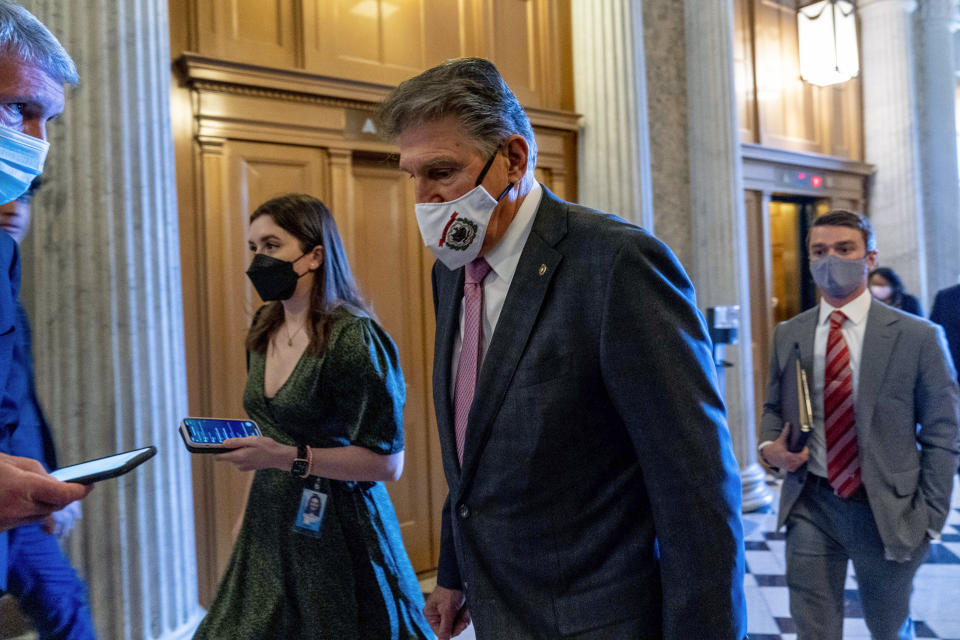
354 581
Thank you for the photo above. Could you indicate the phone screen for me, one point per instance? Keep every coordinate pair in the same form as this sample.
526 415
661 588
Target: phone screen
99 466
215 430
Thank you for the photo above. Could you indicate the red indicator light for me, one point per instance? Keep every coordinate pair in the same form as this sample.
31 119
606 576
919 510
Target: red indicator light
816 181
802 175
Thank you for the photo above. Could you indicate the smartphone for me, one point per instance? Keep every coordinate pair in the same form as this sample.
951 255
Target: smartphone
102 468
206 435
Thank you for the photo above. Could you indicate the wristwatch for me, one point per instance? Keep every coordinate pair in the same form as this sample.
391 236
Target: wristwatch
301 464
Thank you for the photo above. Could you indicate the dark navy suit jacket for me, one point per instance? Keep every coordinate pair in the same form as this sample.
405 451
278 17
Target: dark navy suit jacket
946 313
32 438
9 286
599 492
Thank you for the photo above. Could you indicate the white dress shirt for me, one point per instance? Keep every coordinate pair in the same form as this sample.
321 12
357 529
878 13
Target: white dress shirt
503 259
853 329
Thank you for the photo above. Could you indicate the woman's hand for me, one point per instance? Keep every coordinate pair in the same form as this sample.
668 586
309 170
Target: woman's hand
258 452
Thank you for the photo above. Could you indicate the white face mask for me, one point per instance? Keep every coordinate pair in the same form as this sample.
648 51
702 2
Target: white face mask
454 230
881 292
21 160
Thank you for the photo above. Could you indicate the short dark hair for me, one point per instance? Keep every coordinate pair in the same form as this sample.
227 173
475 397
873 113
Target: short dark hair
896 284
471 90
844 218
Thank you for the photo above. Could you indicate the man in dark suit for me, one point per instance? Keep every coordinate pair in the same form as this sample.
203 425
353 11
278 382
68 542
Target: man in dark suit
873 484
47 588
946 313
32 65
593 491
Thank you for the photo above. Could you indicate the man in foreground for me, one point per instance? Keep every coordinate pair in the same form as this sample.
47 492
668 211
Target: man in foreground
33 70
593 491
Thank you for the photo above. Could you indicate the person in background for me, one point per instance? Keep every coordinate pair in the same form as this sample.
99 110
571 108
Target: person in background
873 484
325 386
887 287
34 68
946 313
47 588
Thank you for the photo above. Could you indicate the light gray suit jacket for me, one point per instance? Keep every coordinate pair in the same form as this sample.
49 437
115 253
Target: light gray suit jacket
906 418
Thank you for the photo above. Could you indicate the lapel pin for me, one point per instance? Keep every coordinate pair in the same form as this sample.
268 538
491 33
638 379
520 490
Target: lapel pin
543 269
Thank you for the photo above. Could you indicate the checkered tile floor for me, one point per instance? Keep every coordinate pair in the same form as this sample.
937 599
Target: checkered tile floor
935 605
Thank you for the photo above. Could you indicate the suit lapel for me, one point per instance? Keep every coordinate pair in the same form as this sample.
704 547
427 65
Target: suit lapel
535 271
449 294
878 340
806 336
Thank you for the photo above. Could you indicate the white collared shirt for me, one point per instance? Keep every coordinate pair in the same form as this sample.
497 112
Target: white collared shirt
853 330
503 260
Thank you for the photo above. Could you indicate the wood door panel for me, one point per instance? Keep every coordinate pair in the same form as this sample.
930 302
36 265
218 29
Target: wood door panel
382 42
239 176
256 31
387 257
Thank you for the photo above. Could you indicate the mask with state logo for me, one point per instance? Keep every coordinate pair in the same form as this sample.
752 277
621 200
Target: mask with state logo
454 230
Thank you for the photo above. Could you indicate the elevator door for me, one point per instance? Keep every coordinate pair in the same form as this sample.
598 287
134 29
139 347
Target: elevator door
793 289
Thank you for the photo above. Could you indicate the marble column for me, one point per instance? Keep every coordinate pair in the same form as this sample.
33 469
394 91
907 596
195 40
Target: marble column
890 138
720 267
936 106
103 287
610 91
666 75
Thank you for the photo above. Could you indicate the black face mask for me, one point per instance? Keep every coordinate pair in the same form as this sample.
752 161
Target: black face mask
273 279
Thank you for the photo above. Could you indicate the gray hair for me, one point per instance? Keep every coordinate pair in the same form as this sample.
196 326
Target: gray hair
26 37
472 90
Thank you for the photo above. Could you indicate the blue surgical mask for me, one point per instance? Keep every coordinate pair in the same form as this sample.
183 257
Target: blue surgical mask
21 160
837 277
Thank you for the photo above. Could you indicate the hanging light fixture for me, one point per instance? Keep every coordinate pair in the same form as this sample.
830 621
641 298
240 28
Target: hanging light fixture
827 31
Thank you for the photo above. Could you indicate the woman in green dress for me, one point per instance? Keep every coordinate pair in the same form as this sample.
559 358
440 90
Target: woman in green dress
325 386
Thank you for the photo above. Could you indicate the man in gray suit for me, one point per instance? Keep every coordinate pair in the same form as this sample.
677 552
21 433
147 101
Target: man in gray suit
873 484
593 491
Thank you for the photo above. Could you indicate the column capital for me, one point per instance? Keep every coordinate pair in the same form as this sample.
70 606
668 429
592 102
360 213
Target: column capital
938 11
870 6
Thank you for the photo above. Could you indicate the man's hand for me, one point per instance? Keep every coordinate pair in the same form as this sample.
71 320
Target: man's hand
777 455
60 523
447 612
28 493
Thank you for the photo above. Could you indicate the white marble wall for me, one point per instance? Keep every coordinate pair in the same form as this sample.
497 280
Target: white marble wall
935 23
891 138
102 282
610 93
719 265
665 56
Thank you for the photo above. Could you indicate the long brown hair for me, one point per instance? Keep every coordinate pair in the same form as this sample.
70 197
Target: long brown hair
311 223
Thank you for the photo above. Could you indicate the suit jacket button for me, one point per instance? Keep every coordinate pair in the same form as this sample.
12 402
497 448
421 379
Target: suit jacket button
464 511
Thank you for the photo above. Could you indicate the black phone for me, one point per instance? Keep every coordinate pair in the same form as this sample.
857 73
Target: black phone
102 468
206 435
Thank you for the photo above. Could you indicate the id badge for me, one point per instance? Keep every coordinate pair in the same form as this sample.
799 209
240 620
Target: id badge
313 503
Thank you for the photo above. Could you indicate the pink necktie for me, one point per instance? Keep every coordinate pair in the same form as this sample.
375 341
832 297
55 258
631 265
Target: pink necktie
843 460
469 365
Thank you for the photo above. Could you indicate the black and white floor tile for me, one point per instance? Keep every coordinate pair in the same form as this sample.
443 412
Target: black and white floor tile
935 604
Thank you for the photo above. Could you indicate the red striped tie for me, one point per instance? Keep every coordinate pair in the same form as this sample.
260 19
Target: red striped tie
843 461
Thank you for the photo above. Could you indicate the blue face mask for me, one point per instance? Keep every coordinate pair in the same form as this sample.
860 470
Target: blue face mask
837 277
21 160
